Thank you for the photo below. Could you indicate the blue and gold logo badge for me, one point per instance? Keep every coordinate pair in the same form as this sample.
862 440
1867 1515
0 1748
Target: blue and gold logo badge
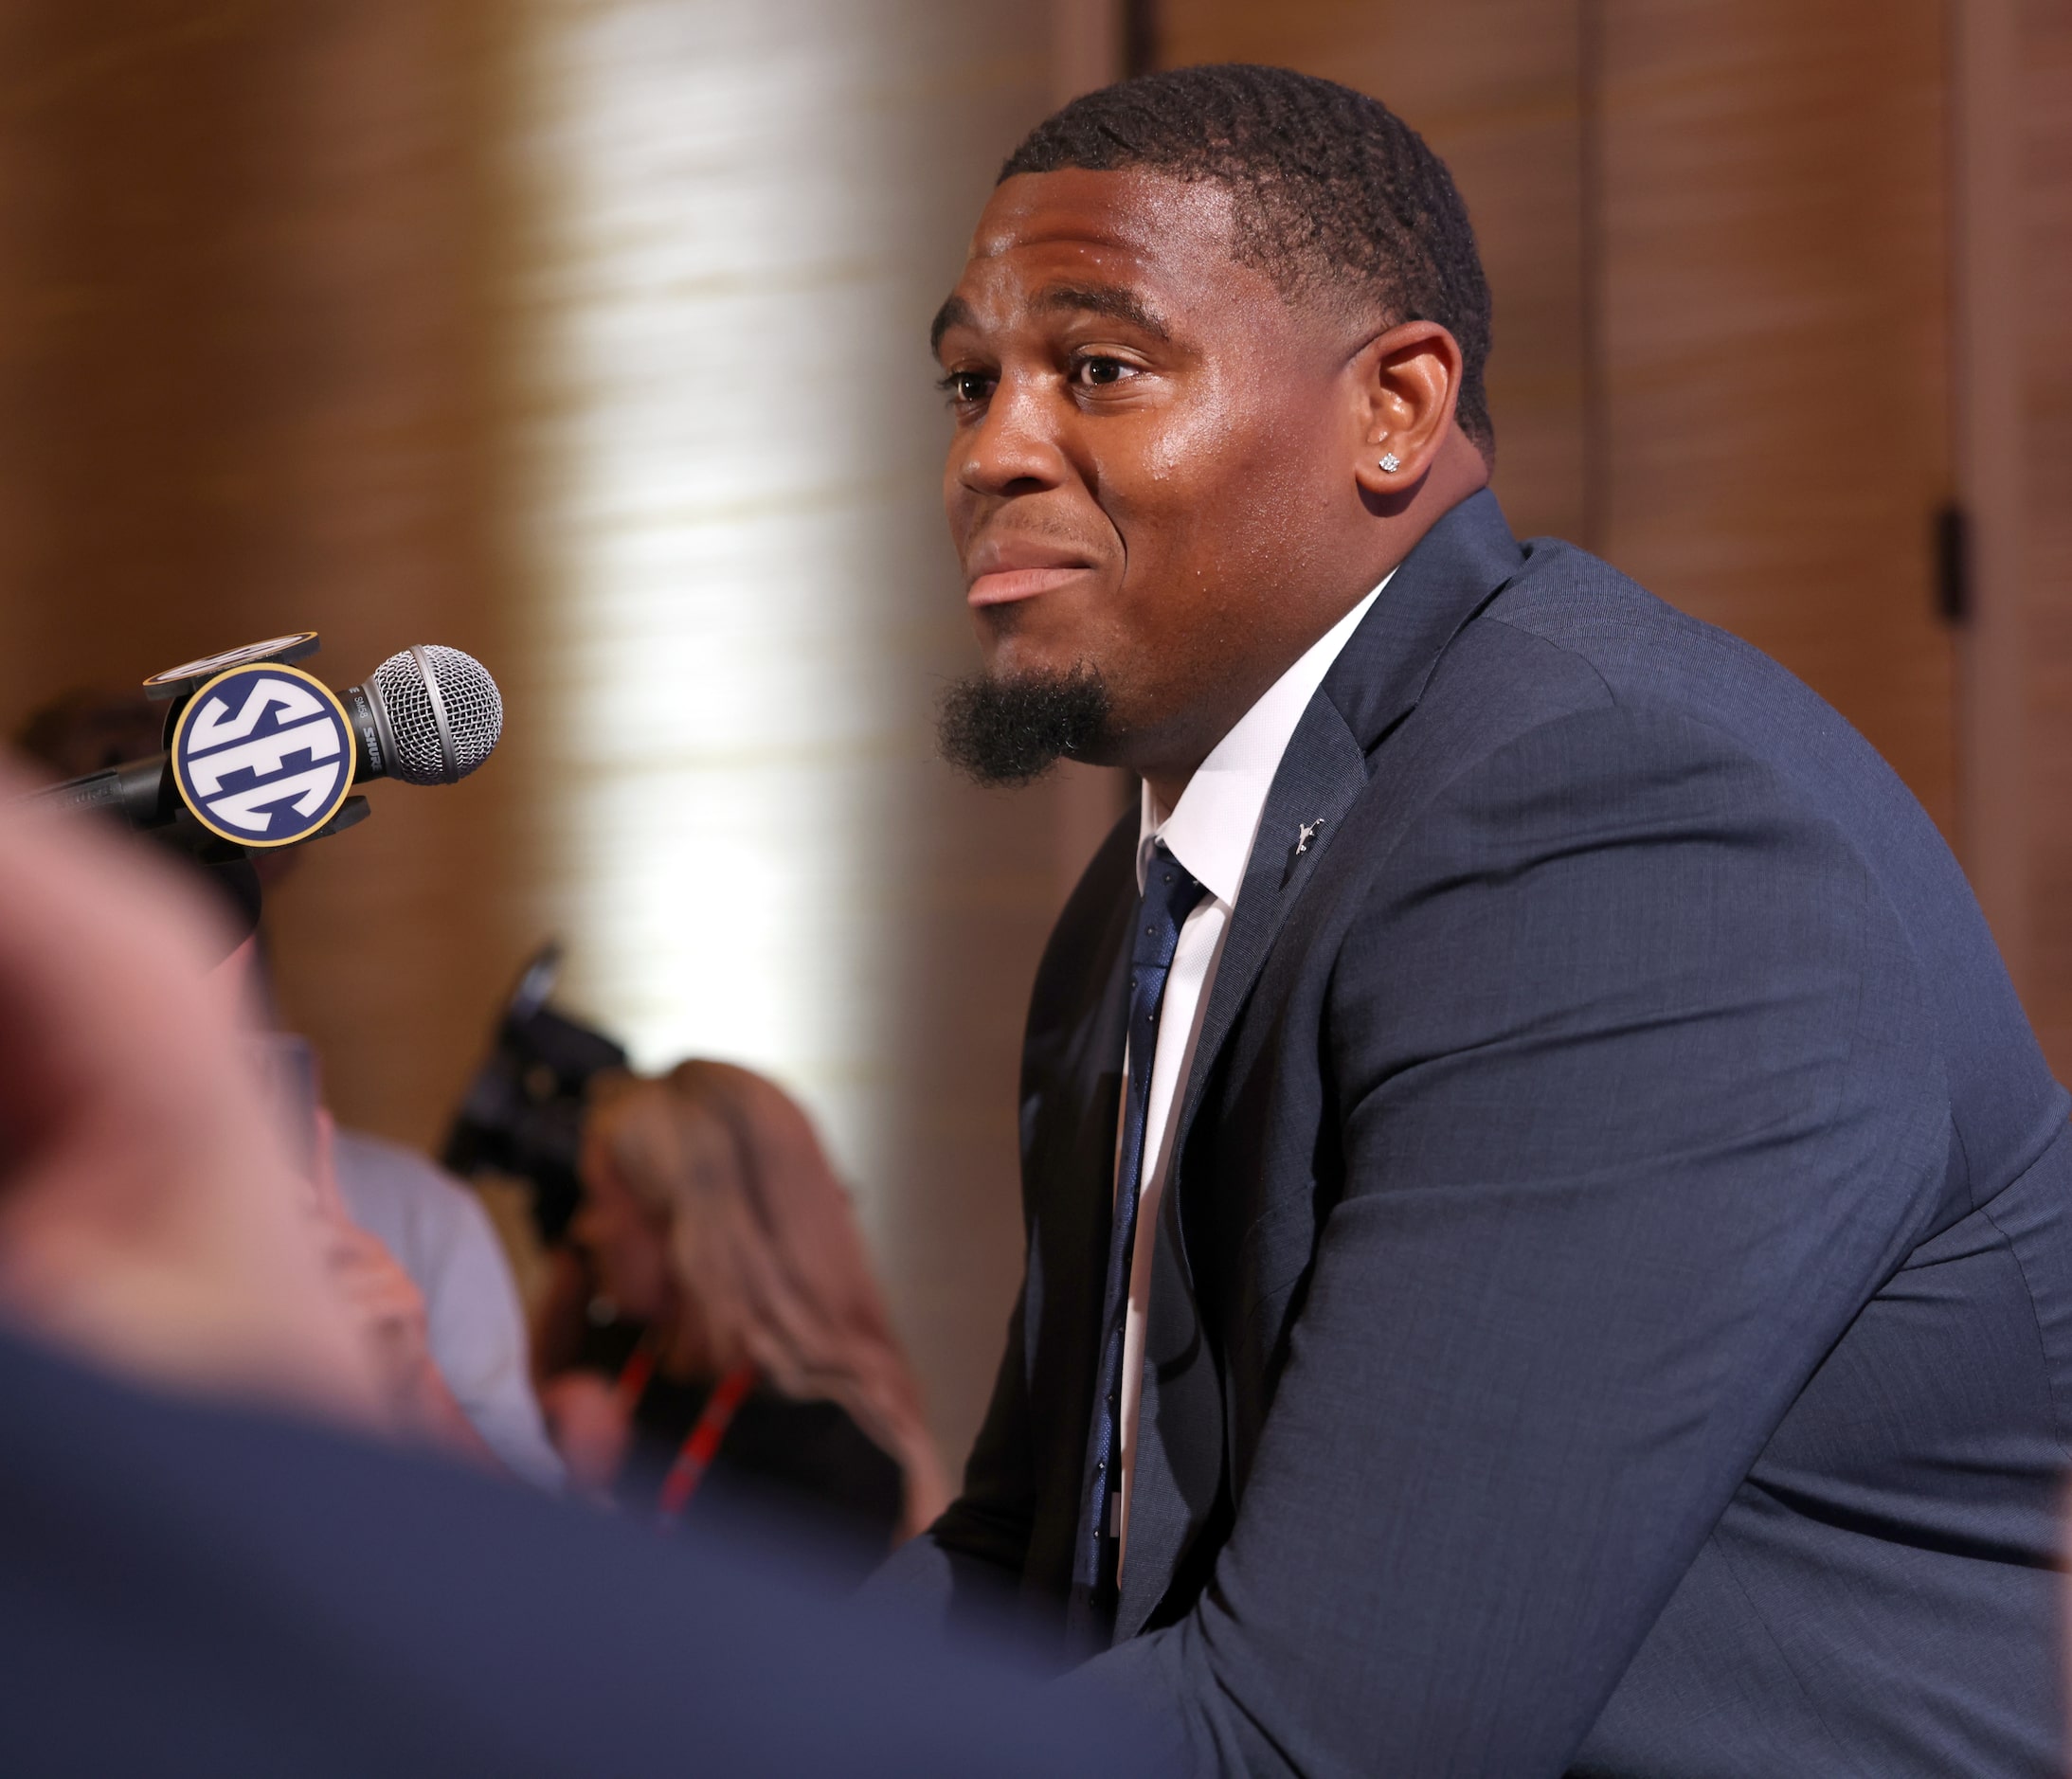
263 755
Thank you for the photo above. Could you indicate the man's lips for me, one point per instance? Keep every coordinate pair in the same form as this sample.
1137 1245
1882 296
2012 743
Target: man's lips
1002 573
1004 585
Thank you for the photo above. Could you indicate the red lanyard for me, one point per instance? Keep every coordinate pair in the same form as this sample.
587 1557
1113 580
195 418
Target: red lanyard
701 1444
633 1376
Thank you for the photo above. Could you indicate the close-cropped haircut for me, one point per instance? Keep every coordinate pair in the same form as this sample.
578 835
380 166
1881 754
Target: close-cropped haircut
1334 196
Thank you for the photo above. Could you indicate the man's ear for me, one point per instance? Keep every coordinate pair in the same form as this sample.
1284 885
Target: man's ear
1405 382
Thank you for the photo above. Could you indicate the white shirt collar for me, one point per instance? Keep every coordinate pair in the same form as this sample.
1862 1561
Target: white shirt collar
1212 828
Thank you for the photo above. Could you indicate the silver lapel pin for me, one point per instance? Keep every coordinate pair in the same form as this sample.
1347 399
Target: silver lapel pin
1308 833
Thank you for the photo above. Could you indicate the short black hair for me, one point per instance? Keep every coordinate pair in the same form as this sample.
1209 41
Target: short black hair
1330 187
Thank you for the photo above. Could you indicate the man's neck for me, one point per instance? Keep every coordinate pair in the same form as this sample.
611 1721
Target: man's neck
1169 773
1458 471
1256 741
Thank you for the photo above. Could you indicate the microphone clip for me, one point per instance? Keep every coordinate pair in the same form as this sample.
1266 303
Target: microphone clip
178 684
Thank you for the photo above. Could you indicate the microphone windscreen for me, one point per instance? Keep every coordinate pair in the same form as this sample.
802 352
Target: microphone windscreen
444 709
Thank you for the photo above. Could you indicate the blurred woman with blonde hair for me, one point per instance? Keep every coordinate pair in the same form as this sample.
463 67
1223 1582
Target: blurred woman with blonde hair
714 1218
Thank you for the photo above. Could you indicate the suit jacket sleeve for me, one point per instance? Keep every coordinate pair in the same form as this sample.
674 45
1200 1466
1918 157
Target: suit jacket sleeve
968 1562
1635 1109
978 1552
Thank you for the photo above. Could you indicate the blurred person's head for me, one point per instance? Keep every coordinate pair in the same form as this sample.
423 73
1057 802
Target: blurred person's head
1216 364
90 728
151 1218
713 1214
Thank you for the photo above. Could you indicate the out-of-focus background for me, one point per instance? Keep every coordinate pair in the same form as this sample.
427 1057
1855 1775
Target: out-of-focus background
589 335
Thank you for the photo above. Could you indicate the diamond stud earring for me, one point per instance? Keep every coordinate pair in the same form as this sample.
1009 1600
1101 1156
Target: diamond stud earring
1391 462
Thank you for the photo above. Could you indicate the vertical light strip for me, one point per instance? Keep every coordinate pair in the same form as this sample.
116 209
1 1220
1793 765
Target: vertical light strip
711 299
741 602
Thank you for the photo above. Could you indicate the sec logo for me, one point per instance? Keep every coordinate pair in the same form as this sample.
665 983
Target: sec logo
263 755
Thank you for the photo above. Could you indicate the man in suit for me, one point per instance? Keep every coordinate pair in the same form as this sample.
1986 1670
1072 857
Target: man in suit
1547 1242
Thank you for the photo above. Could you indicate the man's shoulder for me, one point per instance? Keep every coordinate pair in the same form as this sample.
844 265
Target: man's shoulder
1637 648
1575 704
1569 634
1575 709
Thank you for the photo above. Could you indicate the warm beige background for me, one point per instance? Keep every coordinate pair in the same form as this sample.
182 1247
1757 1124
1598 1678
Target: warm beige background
586 334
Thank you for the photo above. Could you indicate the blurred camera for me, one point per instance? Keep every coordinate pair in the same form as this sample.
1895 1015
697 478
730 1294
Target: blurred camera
522 1114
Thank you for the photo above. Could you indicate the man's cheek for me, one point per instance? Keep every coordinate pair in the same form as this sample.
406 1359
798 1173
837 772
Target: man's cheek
957 508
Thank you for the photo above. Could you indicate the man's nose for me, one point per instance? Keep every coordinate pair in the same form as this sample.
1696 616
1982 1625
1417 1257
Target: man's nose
1014 449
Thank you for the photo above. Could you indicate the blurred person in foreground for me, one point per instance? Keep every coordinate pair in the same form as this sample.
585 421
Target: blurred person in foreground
206 1566
409 1245
1550 1236
768 1370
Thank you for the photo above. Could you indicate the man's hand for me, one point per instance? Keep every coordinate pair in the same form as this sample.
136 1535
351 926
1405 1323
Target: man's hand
387 1311
591 1426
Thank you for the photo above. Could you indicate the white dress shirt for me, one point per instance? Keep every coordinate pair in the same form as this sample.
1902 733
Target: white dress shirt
1211 831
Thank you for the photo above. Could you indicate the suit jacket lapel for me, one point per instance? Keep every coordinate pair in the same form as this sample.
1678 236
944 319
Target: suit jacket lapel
1376 680
1457 568
1177 1465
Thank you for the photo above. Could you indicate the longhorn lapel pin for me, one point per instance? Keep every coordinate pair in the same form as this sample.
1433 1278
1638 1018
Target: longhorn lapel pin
1308 832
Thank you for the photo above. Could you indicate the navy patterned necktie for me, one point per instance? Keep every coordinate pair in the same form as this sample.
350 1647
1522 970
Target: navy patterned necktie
1169 897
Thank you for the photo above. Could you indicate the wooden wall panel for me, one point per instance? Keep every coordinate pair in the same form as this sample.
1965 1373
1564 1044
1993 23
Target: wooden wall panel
245 388
2040 99
1776 330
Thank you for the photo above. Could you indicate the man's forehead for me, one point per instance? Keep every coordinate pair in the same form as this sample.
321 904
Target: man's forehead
1132 210
1130 244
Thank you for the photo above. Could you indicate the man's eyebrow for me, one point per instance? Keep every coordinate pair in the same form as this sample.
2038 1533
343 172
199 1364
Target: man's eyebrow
1116 300
955 312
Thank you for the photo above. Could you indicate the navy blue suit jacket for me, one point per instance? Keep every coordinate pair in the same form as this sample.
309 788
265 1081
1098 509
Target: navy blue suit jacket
1612 1308
197 1592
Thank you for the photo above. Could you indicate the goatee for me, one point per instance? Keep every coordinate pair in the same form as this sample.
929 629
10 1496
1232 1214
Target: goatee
1013 731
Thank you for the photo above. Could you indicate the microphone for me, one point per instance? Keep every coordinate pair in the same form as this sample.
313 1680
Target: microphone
427 715
258 752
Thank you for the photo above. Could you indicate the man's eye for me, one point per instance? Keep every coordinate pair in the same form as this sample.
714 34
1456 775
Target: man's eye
1099 373
967 386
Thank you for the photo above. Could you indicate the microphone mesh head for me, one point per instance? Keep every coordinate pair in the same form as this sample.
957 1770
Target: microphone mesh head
474 712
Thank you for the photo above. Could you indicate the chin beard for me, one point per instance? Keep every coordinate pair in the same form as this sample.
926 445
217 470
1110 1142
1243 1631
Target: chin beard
1013 731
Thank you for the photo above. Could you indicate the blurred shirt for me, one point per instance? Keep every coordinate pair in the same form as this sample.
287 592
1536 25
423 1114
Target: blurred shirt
441 1235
